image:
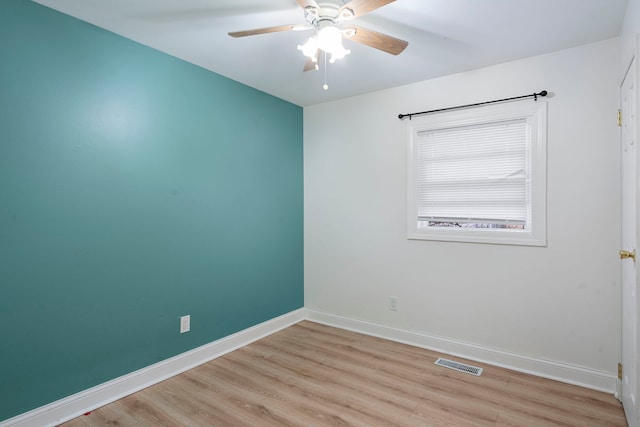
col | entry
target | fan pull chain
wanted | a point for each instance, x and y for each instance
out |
(325, 86)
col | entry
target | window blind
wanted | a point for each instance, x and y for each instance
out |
(474, 174)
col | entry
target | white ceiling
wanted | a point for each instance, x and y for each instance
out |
(445, 37)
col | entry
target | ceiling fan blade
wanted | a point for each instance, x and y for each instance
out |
(376, 40)
(360, 7)
(265, 30)
(309, 65)
(307, 3)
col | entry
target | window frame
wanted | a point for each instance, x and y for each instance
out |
(535, 115)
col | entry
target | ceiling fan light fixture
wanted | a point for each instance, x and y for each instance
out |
(330, 39)
(339, 54)
(327, 39)
(310, 48)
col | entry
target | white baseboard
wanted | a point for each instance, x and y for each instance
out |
(572, 374)
(95, 397)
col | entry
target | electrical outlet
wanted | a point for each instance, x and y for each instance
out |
(185, 324)
(393, 303)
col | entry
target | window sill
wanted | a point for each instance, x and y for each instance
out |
(502, 237)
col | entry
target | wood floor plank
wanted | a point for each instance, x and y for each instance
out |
(315, 375)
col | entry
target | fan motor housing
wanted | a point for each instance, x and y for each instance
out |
(327, 13)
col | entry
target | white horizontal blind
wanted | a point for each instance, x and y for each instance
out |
(473, 174)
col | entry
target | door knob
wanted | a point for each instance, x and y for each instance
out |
(626, 254)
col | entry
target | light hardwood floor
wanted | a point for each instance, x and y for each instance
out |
(315, 375)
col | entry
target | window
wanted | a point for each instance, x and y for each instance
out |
(479, 175)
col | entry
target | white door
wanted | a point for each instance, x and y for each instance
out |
(628, 264)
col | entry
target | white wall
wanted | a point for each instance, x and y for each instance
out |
(559, 303)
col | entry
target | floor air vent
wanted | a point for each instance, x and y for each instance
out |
(461, 367)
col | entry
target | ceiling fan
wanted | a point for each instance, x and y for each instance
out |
(330, 19)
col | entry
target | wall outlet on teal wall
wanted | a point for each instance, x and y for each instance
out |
(185, 324)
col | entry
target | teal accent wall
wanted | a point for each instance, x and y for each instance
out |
(134, 188)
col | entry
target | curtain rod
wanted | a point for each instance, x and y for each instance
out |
(533, 95)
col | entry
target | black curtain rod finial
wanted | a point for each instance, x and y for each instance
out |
(533, 95)
(536, 95)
